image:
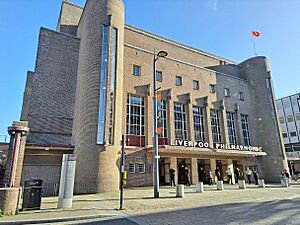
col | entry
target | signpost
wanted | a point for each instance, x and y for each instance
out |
(122, 173)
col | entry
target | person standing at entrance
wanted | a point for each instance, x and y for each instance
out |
(201, 175)
(172, 175)
(186, 176)
(238, 174)
(229, 174)
(209, 177)
(218, 173)
(249, 173)
(256, 176)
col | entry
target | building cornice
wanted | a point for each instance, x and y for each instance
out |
(189, 48)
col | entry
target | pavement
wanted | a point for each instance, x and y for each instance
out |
(271, 205)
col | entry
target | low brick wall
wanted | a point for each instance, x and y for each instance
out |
(9, 200)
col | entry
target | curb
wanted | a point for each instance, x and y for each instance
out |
(53, 220)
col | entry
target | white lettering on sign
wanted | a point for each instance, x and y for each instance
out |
(198, 144)
(237, 147)
(201, 144)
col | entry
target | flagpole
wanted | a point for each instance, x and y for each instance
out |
(254, 47)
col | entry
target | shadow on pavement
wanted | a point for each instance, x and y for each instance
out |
(271, 212)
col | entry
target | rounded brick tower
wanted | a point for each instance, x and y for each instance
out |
(258, 73)
(98, 102)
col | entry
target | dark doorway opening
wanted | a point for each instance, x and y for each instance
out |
(181, 164)
(203, 170)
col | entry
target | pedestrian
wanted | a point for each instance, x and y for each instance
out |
(201, 175)
(229, 175)
(249, 173)
(282, 176)
(238, 174)
(218, 173)
(209, 177)
(172, 175)
(256, 176)
(186, 176)
(287, 175)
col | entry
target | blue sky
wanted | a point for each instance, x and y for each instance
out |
(222, 27)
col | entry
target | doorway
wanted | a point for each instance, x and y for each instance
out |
(181, 164)
(222, 165)
(164, 171)
(203, 168)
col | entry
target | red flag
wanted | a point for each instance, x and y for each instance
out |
(255, 34)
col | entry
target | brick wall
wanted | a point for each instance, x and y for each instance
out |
(53, 90)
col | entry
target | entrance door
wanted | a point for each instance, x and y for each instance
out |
(203, 168)
(222, 165)
(181, 164)
(162, 171)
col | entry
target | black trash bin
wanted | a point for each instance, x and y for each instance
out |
(32, 194)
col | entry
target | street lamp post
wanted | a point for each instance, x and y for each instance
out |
(155, 137)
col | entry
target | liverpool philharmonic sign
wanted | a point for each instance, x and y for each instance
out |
(201, 144)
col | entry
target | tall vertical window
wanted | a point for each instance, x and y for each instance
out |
(164, 133)
(113, 58)
(245, 129)
(135, 116)
(198, 123)
(215, 126)
(103, 82)
(231, 128)
(180, 121)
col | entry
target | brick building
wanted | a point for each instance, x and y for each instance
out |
(92, 83)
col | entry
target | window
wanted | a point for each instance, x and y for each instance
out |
(163, 120)
(278, 104)
(284, 135)
(135, 115)
(212, 89)
(281, 119)
(103, 83)
(159, 76)
(241, 96)
(231, 128)
(113, 59)
(215, 126)
(297, 116)
(195, 85)
(286, 103)
(131, 168)
(180, 121)
(290, 118)
(178, 80)
(245, 129)
(141, 168)
(293, 133)
(267, 83)
(198, 123)
(136, 70)
(226, 92)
